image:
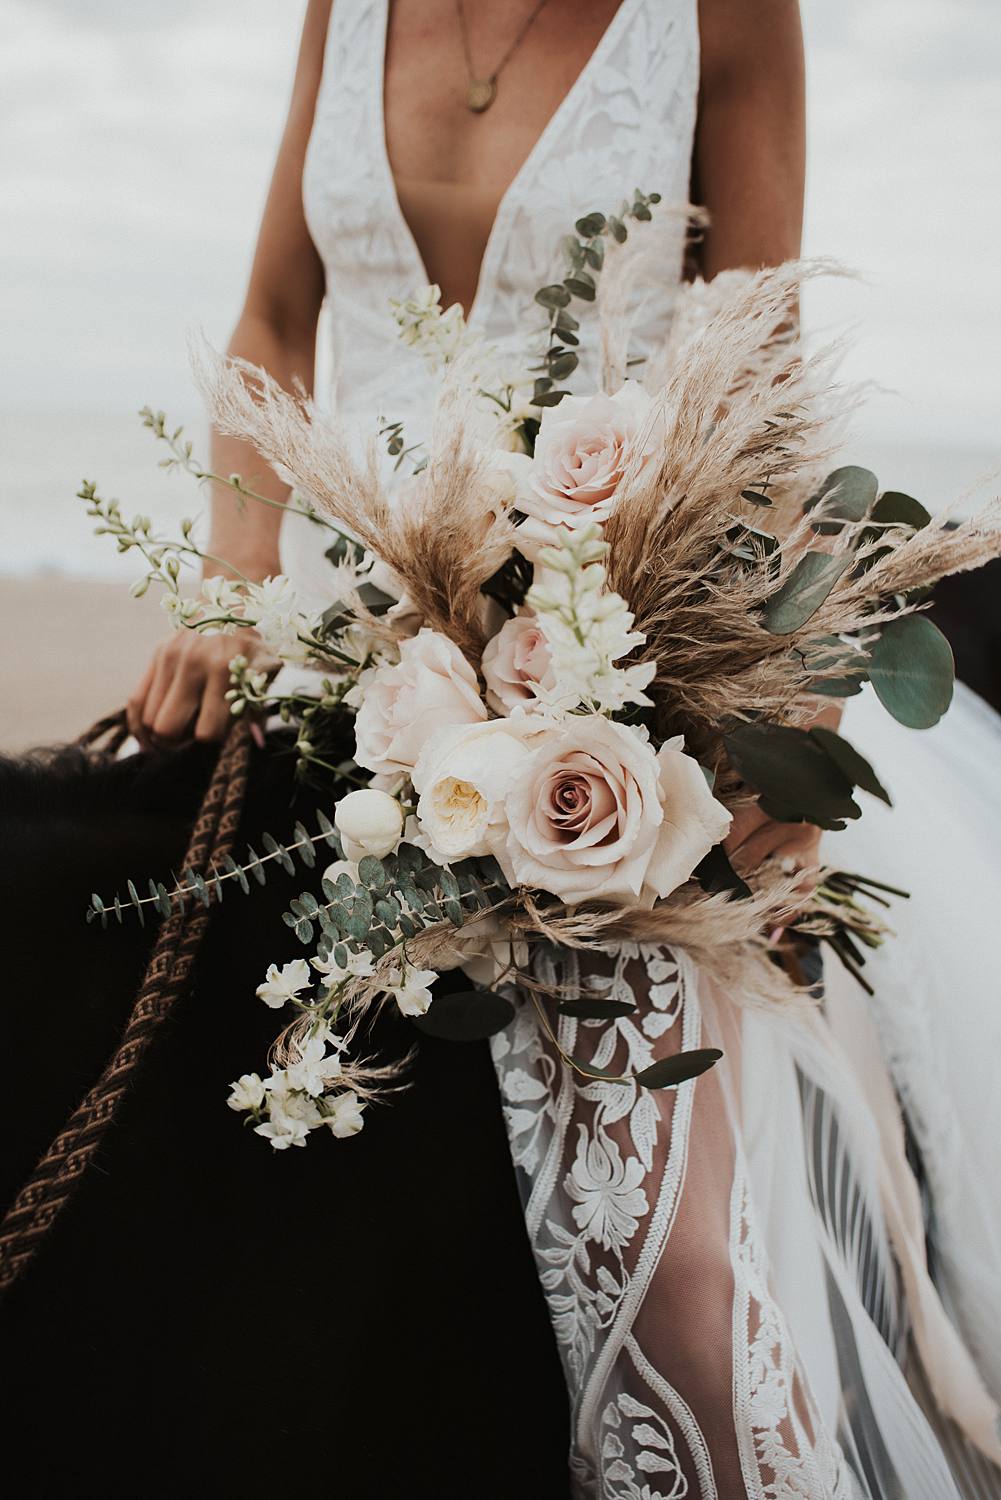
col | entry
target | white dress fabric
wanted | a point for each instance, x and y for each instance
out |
(730, 1291)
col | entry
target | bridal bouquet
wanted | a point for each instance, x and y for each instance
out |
(568, 635)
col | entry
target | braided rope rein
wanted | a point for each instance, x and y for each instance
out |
(58, 1173)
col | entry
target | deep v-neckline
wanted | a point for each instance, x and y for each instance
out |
(505, 205)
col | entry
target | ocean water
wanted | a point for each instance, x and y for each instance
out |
(44, 457)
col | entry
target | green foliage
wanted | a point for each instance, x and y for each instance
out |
(585, 256)
(846, 496)
(668, 1072)
(913, 671)
(466, 1015)
(803, 592)
(802, 775)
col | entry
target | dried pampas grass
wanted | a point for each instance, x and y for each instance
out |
(447, 539)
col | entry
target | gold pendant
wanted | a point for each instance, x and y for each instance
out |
(480, 94)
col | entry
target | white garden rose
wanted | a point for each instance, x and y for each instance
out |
(515, 658)
(431, 685)
(369, 822)
(584, 446)
(463, 779)
(596, 814)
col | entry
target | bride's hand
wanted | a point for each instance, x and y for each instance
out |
(182, 693)
(755, 837)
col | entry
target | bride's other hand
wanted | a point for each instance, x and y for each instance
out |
(755, 837)
(182, 693)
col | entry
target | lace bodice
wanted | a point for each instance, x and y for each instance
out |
(627, 121)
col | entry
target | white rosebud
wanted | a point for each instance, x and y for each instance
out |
(369, 822)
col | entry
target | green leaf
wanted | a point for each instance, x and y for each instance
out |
(803, 592)
(897, 509)
(596, 1010)
(594, 255)
(836, 687)
(592, 1072)
(618, 229)
(716, 873)
(670, 1071)
(328, 830)
(797, 781)
(563, 366)
(846, 495)
(372, 872)
(847, 759)
(388, 912)
(466, 1015)
(553, 296)
(912, 670)
(582, 286)
(590, 225)
(549, 398)
(755, 497)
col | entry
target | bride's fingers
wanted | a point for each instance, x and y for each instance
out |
(213, 715)
(137, 702)
(174, 717)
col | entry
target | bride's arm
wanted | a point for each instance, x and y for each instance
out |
(748, 172)
(749, 157)
(183, 688)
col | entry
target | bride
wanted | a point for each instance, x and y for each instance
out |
(734, 1271)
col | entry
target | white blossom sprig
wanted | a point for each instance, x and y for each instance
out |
(588, 628)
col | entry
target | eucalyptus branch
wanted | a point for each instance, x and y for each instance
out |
(585, 253)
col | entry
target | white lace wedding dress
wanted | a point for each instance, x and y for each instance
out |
(734, 1269)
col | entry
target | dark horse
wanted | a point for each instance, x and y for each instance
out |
(208, 1316)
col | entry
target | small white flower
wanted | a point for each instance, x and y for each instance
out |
(282, 985)
(412, 990)
(360, 965)
(344, 1115)
(223, 594)
(291, 1115)
(246, 1093)
(369, 822)
(179, 609)
(315, 1068)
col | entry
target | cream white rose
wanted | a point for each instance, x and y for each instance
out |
(582, 451)
(405, 703)
(515, 658)
(369, 822)
(463, 779)
(597, 815)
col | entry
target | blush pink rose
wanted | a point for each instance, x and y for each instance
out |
(431, 686)
(515, 657)
(582, 451)
(596, 814)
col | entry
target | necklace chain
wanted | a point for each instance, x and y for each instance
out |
(482, 90)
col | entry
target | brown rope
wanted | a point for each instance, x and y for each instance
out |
(58, 1173)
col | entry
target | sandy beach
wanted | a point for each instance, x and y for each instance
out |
(72, 650)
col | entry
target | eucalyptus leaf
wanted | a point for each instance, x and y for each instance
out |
(590, 225)
(553, 296)
(803, 592)
(582, 286)
(913, 671)
(668, 1072)
(466, 1015)
(846, 495)
(897, 509)
(372, 872)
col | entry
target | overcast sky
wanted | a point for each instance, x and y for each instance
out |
(137, 139)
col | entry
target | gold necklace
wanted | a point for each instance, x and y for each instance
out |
(481, 92)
